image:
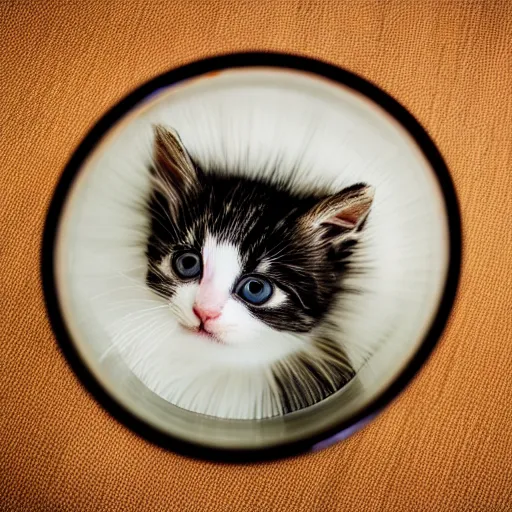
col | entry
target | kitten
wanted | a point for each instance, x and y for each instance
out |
(250, 271)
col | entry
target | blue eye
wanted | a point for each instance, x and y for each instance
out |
(187, 265)
(254, 290)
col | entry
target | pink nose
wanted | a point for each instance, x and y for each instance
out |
(205, 314)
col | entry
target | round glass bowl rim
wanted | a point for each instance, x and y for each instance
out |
(337, 76)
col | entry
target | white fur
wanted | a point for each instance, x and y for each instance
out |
(221, 270)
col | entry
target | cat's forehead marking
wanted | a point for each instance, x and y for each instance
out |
(222, 262)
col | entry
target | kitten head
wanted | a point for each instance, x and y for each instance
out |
(243, 262)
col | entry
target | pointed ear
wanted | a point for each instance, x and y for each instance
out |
(173, 167)
(344, 213)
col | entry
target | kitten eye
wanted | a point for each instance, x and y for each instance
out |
(254, 290)
(187, 265)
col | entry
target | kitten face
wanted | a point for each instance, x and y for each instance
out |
(242, 262)
(209, 304)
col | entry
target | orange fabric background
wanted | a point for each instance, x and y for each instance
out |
(446, 443)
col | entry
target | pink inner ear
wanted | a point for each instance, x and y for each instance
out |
(342, 222)
(347, 209)
(349, 217)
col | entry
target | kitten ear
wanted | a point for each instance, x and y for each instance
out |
(344, 212)
(173, 166)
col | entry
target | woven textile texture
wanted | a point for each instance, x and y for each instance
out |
(446, 443)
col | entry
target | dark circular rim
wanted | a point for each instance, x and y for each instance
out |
(194, 69)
